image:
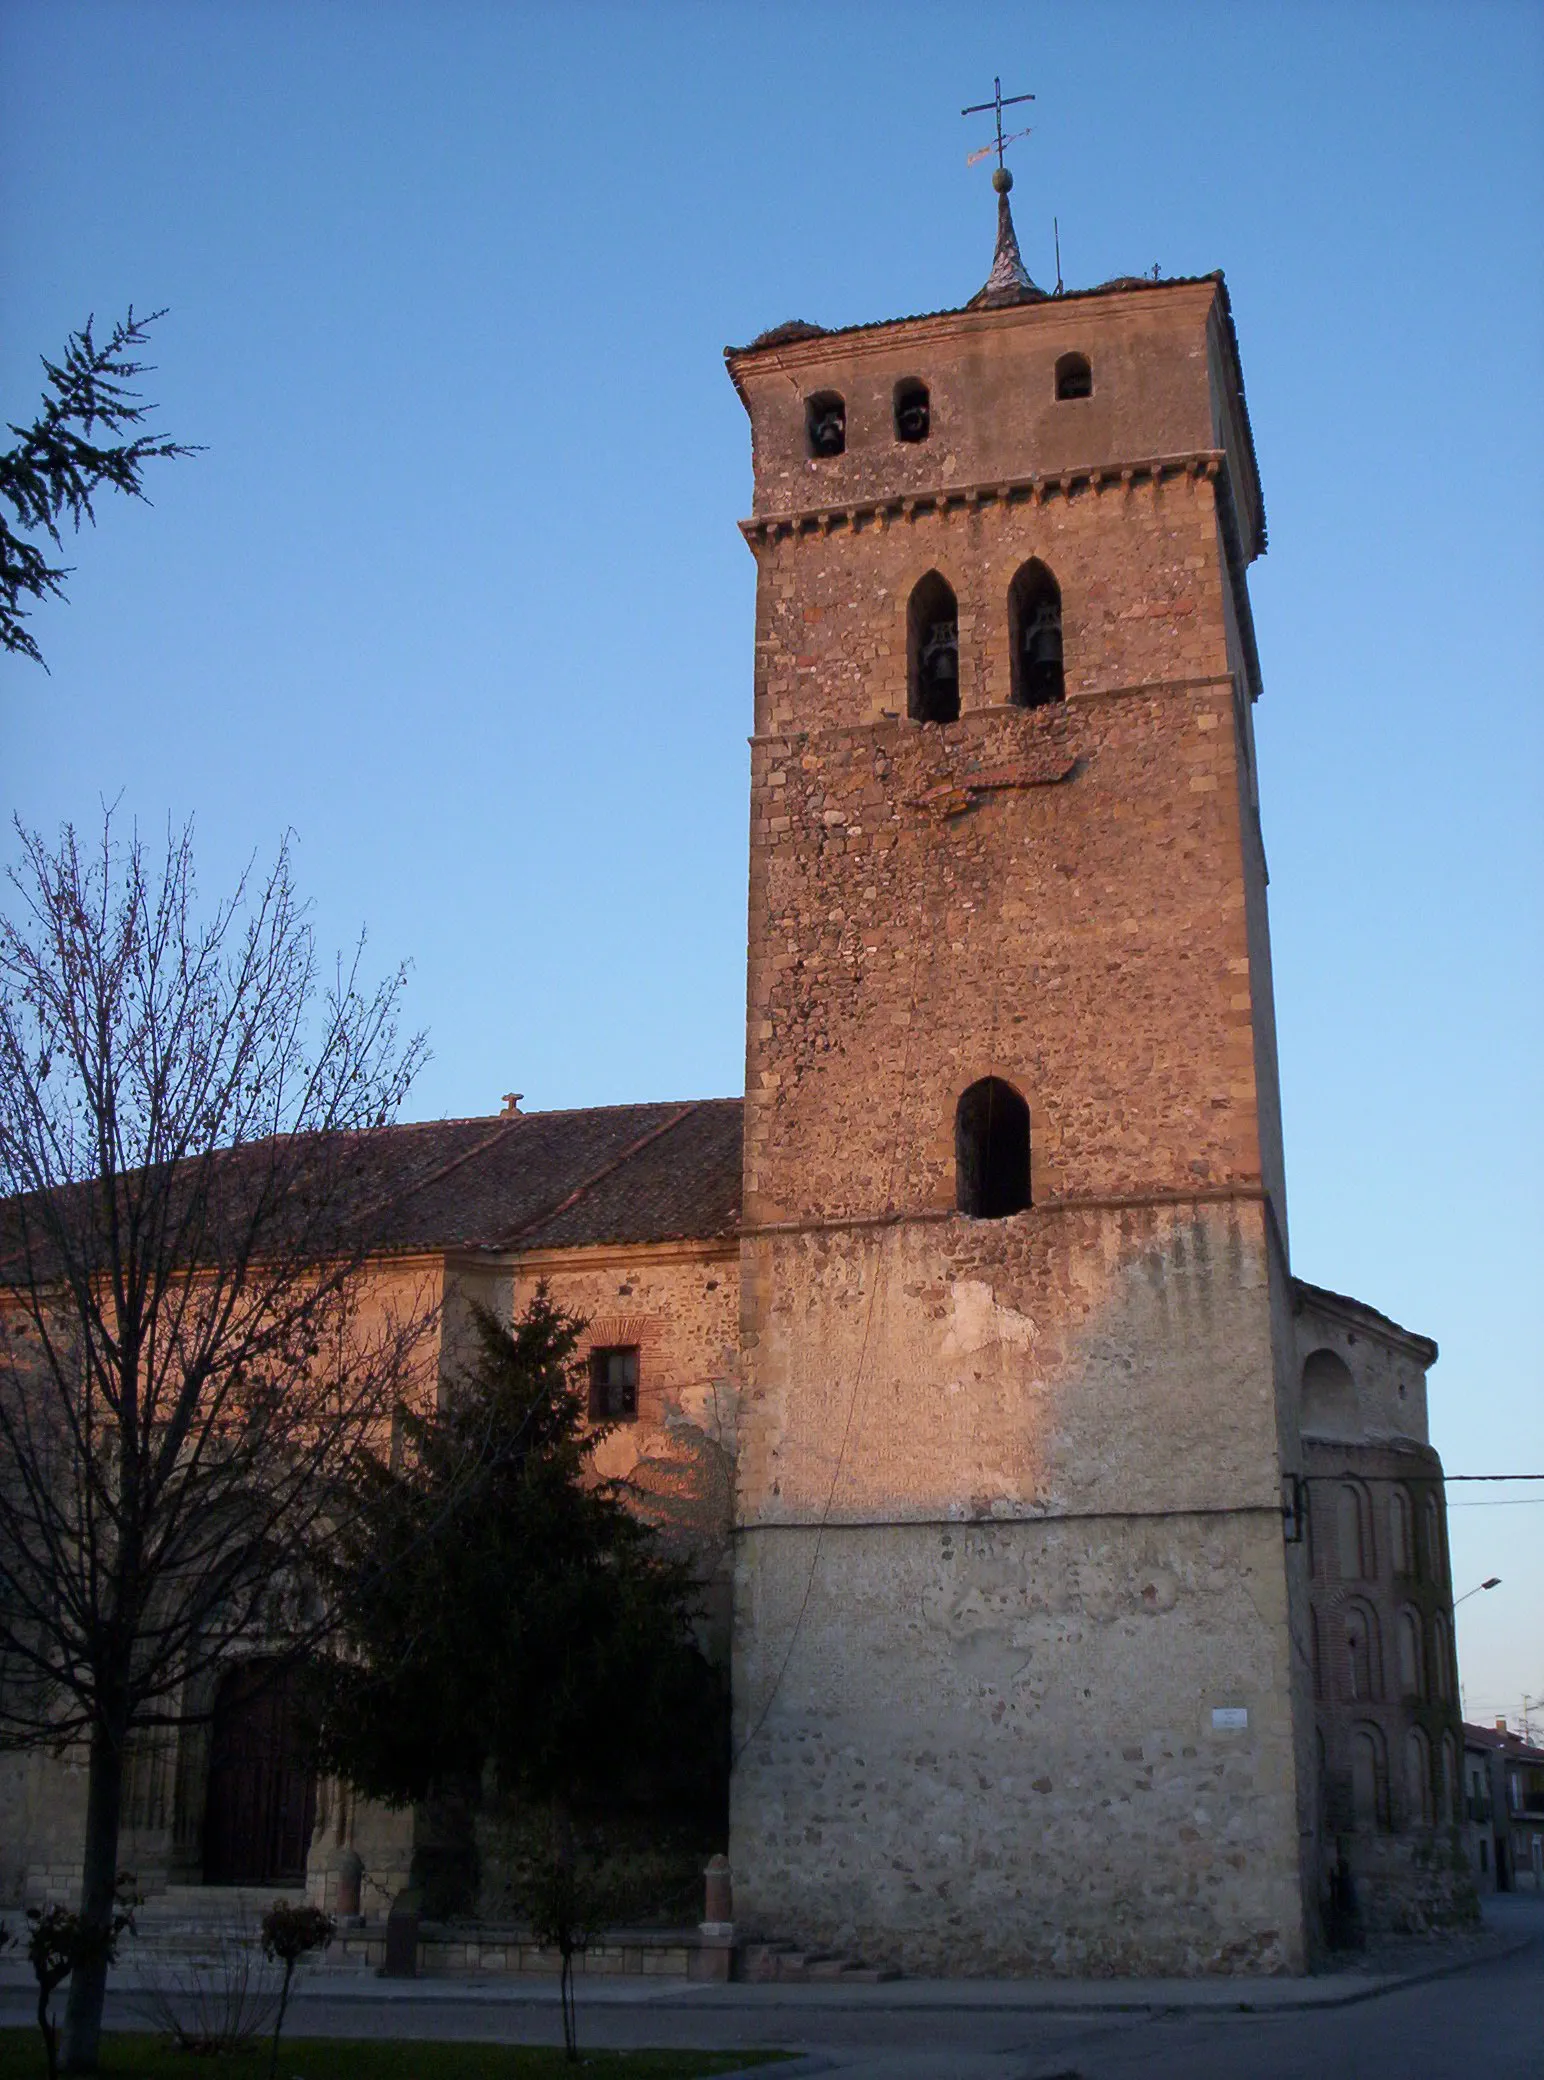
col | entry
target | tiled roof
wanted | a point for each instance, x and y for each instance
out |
(540, 1180)
(546, 1180)
(1511, 1745)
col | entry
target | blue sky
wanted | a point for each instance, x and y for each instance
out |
(456, 592)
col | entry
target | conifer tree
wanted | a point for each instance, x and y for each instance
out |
(59, 463)
(505, 1617)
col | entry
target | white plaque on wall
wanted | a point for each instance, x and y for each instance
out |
(1229, 1718)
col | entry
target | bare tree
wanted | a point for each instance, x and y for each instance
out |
(192, 1355)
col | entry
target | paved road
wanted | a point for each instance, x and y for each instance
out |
(1486, 2021)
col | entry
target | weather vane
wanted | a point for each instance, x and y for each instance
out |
(995, 107)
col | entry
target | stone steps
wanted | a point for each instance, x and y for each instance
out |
(189, 1920)
(784, 1964)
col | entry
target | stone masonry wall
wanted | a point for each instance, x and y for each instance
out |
(993, 1751)
(991, 378)
(1009, 1491)
(678, 1303)
(1042, 1451)
(1085, 938)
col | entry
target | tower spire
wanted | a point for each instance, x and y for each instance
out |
(1009, 280)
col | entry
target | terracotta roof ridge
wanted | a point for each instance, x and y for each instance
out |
(428, 1126)
(606, 1170)
(621, 1105)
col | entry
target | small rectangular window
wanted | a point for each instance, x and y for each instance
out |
(614, 1385)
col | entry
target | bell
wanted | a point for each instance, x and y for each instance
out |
(1043, 640)
(911, 421)
(828, 435)
(941, 657)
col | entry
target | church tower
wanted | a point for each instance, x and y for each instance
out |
(1016, 1590)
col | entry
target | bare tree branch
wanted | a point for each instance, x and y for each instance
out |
(194, 1355)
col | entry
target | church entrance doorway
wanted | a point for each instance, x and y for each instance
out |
(262, 1796)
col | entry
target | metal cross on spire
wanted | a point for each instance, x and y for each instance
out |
(1009, 280)
(996, 106)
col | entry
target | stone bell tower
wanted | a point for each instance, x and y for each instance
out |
(1015, 1682)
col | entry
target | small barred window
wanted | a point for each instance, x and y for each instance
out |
(614, 1385)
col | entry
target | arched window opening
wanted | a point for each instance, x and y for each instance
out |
(1401, 1533)
(1441, 1659)
(1035, 636)
(1364, 1656)
(913, 411)
(1329, 1396)
(1409, 1634)
(1352, 1531)
(825, 423)
(1450, 1807)
(991, 1151)
(933, 651)
(1074, 377)
(1369, 1780)
(1417, 1778)
(1433, 1515)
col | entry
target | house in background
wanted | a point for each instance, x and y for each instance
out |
(1504, 1809)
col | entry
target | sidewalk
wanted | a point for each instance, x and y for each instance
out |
(1366, 1976)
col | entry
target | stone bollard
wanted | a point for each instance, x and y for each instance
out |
(718, 1902)
(402, 1936)
(347, 1874)
(715, 1946)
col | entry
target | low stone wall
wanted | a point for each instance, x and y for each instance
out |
(451, 1952)
(1412, 1884)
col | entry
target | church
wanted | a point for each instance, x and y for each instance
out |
(1081, 1572)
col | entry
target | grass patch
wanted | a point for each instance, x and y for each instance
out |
(356, 2058)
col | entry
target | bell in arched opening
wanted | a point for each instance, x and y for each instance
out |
(825, 424)
(913, 415)
(1035, 619)
(933, 651)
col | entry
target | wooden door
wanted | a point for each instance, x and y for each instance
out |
(262, 1796)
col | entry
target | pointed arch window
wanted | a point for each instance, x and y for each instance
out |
(991, 1151)
(933, 651)
(1035, 637)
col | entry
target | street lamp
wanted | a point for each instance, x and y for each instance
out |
(1493, 1583)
